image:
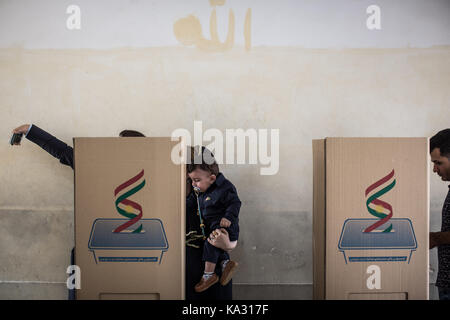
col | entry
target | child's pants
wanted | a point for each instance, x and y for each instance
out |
(213, 254)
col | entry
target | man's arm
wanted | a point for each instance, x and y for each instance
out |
(49, 143)
(439, 239)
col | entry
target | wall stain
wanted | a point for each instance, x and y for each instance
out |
(188, 31)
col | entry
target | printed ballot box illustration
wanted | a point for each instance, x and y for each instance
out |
(129, 218)
(358, 245)
(370, 221)
(148, 245)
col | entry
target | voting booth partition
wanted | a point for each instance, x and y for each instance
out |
(370, 218)
(129, 218)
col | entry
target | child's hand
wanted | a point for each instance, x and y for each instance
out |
(224, 222)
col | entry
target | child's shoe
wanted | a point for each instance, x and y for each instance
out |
(206, 282)
(228, 271)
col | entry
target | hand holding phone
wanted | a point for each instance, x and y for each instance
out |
(15, 138)
(18, 133)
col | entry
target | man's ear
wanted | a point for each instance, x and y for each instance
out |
(213, 177)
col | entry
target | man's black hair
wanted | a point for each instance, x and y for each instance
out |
(441, 140)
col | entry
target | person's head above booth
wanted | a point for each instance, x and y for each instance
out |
(440, 153)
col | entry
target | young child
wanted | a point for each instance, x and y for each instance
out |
(219, 206)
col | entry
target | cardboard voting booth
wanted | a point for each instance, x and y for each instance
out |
(371, 218)
(129, 218)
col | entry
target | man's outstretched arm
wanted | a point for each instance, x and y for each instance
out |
(49, 143)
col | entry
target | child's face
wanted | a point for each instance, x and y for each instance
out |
(202, 179)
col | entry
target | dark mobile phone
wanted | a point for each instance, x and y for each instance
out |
(15, 139)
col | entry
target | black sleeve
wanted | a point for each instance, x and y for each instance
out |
(192, 222)
(191, 202)
(52, 145)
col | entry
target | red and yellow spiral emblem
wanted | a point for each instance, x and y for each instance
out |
(379, 208)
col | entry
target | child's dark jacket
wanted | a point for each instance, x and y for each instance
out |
(219, 201)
